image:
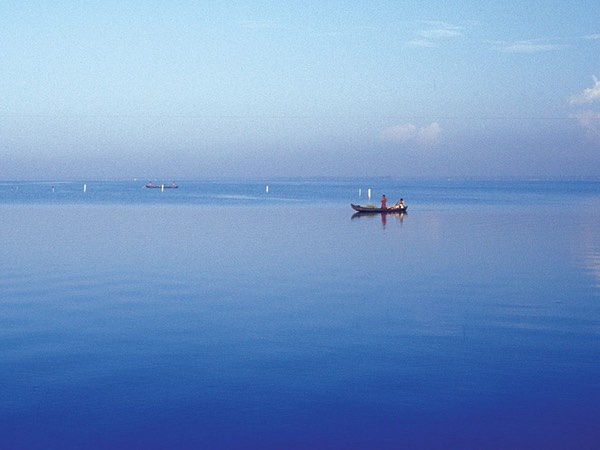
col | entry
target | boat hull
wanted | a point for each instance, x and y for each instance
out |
(367, 209)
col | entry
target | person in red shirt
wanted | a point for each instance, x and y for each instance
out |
(383, 202)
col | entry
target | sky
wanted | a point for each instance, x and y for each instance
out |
(164, 90)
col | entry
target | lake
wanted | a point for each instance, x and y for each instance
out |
(224, 314)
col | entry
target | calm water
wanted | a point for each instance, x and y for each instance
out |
(219, 315)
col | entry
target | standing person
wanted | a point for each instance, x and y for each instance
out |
(383, 202)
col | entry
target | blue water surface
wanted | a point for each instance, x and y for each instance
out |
(220, 315)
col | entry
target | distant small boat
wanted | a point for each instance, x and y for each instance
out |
(161, 186)
(374, 209)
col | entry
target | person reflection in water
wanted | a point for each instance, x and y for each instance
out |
(383, 202)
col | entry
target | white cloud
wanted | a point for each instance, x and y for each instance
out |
(435, 32)
(590, 122)
(400, 133)
(532, 46)
(592, 37)
(441, 33)
(431, 133)
(588, 119)
(588, 95)
(411, 134)
(421, 43)
(439, 29)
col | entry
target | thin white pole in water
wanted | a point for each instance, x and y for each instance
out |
(162, 188)
(359, 193)
(267, 189)
(85, 188)
(369, 193)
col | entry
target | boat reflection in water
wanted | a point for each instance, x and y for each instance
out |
(396, 216)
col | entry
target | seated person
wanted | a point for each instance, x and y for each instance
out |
(399, 204)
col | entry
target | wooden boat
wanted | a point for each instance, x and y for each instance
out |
(161, 186)
(374, 209)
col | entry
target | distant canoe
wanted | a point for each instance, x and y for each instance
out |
(374, 209)
(161, 186)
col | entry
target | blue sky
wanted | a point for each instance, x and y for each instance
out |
(196, 89)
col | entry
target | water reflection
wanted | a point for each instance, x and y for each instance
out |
(226, 339)
(595, 263)
(394, 217)
(591, 255)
